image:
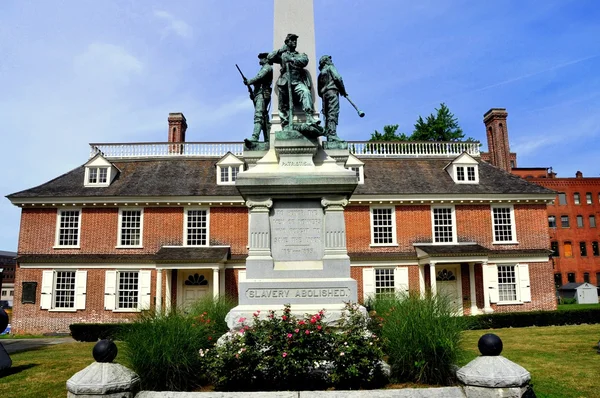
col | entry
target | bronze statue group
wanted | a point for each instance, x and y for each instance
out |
(294, 90)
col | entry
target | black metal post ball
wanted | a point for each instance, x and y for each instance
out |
(490, 345)
(3, 320)
(105, 351)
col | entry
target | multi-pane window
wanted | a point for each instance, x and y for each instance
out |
(443, 225)
(234, 172)
(503, 228)
(568, 249)
(595, 250)
(558, 279)
(64, 289)
(576, 198)
(564, 221)
(470, 173)
(562, 198)
(68, 228)
(224, 174)
(384, 281)
(551, 221)
(228, 174)
(507, 283)
(588, 198)
(597, 278)
(554, 248)
(592, 219)
(97, 175)
(582, 249)
(131, 228)
(197, 227)
(460, 173)
(128, 289)
(382, 225)
(571, 277)
(586, 277)
(579, 221)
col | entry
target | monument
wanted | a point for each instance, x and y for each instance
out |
(296, 190)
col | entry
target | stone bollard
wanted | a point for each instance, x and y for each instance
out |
(492, 375)
(104, 378)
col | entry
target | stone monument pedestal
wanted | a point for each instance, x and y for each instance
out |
(297, 234)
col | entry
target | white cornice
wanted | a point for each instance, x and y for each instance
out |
(169, 201)
(457, 199)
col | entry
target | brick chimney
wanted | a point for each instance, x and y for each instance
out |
(579, 174)
(497, 137)
(177, 127)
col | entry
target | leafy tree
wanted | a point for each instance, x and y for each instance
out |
(442, 126)
(389, 134)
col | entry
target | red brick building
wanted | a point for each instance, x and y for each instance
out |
(574, 236)
(161, 224)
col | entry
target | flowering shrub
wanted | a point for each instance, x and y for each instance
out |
(283, 352)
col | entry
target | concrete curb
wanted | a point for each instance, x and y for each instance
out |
(439, 392)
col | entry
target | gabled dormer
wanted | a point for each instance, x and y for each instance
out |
(99, 172)
(354, 164)
(464, 169)
(228, 168)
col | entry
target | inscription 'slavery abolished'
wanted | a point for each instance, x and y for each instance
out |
(308, 293)
(297, 231)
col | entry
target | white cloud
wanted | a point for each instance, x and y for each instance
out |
(106, 61)
(177, 26)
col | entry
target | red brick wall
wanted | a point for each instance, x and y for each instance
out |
(229, 226)
(542, 291)
(356, 273)
(29, 318)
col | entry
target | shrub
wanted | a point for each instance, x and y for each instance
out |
(94, 331)
(421, 337)
(163, 348)
(216, 309)
(287, 353)
(573, 316)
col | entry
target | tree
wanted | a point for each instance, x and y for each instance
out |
(389, 134)
(442, 126)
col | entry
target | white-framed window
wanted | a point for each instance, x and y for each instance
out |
(63, 290)
(99, 172)
(509, 283)
(464, 170)
(357, 166)
(588, 198)
(384, 281)
(443, 221)
(127, 290)
(503, 224)
(196, 226)
(576, 198)
(131, 223)
(68, 228)
(228, 169)
(383, 226)
(97, 175)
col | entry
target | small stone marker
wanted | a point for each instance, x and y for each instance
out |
(492, 375)
(104, 378)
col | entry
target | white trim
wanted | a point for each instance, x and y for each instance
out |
(80, 289)
(411, 199)
(453, 218)
(111, 201)
(186, 209)
(57, 229)
(110, 290)
(368, 275)
(86, 180)
(384, 264)
(513, 225)
(120, 228)
(394, 241)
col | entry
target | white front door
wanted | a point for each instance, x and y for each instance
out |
(448, 284)
(194, 285)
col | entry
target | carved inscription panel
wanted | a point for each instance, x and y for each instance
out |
(297, 231)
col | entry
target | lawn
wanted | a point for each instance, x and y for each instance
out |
(562, 360)
(568, 307)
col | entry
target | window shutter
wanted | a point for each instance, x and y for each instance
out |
(368, 283)
(110, 290)
(80, 289)
(524, 285)
(401, 280)
(492, 279)
(145, 282)
(47, 288)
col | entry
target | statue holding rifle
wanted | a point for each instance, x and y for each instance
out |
(261, 97)
(294, 83)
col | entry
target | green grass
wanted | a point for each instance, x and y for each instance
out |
(562, 360)
(568, 307)
(28, 336)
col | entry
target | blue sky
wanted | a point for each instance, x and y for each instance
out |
(79, 71)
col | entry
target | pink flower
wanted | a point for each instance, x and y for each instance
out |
(319, 327)
(284, 354)
(284, 317)
(307, 332)
(241, 320)
(297, 330)
(313, 320)
(301, 323)
(289, 335)
(246, 327)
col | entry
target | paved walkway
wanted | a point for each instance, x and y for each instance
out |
(18, 345)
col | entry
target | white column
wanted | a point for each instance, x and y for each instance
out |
(222, 281)
(168, 290)
(215, 282)
(422, 280)
(486, 288)
(432, 275)
(474, 310)
(159, 290)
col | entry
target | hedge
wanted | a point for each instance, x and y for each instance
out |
(536, 318)
(94, 331)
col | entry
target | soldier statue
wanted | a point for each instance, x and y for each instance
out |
(261, 96)
(294, 80)
(330, 87)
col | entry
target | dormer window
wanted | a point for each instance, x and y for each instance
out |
(464, 170)
(99, 172)
(228, 169)
(357, 167)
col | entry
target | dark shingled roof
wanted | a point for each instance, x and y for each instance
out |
(197, 177)
(453, 250)
(195, 254)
